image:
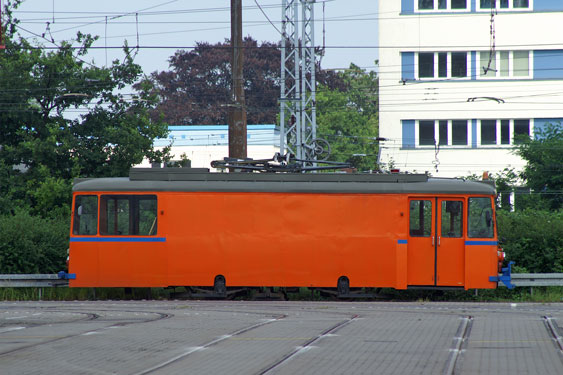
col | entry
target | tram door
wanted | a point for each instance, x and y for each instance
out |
(435, 242)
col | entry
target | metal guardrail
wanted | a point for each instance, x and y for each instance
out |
(536, 279)
(35, 280)
(61, 280)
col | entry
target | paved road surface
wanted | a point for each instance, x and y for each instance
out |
(235, 337)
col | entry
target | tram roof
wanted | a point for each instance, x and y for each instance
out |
(200, 180)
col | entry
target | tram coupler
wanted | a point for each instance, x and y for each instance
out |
(505, 276)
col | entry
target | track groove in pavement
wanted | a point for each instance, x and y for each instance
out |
(280, 338)
(207, 345)
(90, 317)
(308, 344)
(460, 338)
(553, 331)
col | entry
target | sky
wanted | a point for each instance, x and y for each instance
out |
(179, 24)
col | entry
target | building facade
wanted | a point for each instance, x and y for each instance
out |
(462, 80)
(204, 143)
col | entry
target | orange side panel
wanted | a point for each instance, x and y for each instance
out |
(257, 239)
(84, 262)
(401, 266)
(480, 263)
(118, 264)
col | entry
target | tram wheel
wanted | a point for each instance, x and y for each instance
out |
(220, 285)
(343, 286)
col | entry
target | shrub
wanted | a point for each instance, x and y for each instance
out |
(533, 239)
(30, 244)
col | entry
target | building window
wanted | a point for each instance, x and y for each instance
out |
(425, 4)
(459, 133)
(459, 4)
(459, 64)
(499, 132)
(488, 132)
(426, 133)
(505, 64)
(485, 5)
(443, 65)
(426, 65)
(441, 5)
(521, 128)
(505, 132)
(488, 64)
(443, 132)
(504, 57)
(521, 63)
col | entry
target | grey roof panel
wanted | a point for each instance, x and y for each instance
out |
(289, 183)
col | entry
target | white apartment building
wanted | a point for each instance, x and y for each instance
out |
(204, 143)
(460, 79)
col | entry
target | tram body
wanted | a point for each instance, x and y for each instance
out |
(182, 227)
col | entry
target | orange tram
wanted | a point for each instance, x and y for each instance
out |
(189, 227)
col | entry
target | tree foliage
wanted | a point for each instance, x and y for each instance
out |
(544, 169)
(43, 143)
(197, 88)
(348, 118)
(30, 244)
(533, 238)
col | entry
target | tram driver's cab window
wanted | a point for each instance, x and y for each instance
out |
(480, 218)
(85, 220)
(128, 215)
(420, 218)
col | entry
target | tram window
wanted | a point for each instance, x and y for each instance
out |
(85, 215)
(480, 218)
(420, 220)
(125, 215)
(452, 219)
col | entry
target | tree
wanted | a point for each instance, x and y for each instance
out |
(42, 145)
(533, 238)
(197, 89)
(544, 169)
(30, 244)
(348, 118)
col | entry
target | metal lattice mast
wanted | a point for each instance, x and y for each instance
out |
(308, 84)
(297, 102)
(290, 118)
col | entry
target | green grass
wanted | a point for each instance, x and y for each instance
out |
(522, 294)
(81, 294)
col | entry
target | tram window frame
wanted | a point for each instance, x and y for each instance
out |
(82, 220)
(421, 219)
(477, 216)
(128, 215)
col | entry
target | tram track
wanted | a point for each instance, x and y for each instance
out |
(459, 341)
(292, 334)
(90, 317)
(553, 331)
(207, 345)
(307, 345)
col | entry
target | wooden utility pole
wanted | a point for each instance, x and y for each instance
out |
(237, 110)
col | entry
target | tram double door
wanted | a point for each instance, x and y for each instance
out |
(436, 246)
